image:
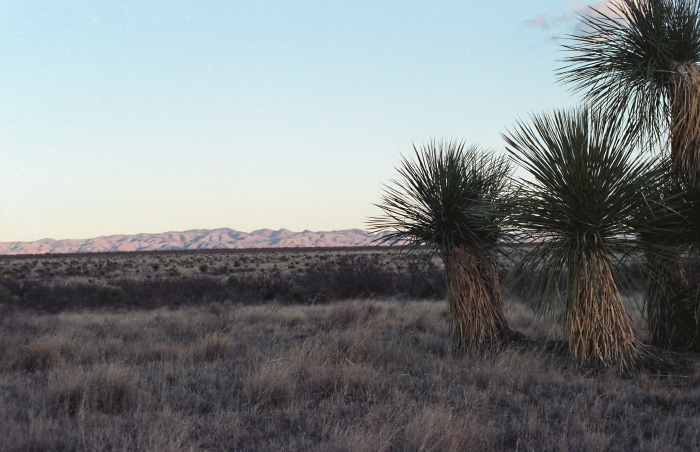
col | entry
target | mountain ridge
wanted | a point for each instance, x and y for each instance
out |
(194, 239)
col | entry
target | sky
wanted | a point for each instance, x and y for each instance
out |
(125, 117)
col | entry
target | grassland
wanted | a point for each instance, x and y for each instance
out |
(283, 374)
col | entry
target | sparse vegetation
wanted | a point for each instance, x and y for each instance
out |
(338, 277)
(353, 375)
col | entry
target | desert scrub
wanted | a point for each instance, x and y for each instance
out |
(351, 275)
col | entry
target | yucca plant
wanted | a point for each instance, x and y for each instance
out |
(672, 308)
(451, 197)
(578, 206)
(641, 60)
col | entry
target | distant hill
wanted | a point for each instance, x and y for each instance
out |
(196, 239)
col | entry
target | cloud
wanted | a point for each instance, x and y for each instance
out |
(597, 8)
(539, 21)
(568, 16)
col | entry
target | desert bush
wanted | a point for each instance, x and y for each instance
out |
(296, 294)
(6, 296)
(110, 294)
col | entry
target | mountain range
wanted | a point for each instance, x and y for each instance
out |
(196, 239)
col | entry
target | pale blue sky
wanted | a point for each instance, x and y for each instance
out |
(153, 116)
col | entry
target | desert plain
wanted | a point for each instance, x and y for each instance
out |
(298, 349)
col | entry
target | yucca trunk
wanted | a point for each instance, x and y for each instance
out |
(600, 334)
(671, 317)
(665, 311)
(685, 327)
(474, 300)
(684, 94)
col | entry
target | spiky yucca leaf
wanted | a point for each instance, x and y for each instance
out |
(586, 189)
(449, 195)
(581, 204)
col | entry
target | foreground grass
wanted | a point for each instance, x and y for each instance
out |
(354, 375)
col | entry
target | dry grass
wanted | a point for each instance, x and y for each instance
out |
(356, 375)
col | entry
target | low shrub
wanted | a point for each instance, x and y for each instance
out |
(110, 294)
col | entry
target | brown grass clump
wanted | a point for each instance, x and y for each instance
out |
(34, 357)
(437, 427)
(359, 375)
(211, 348)
(106, 390)
(270, 386)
